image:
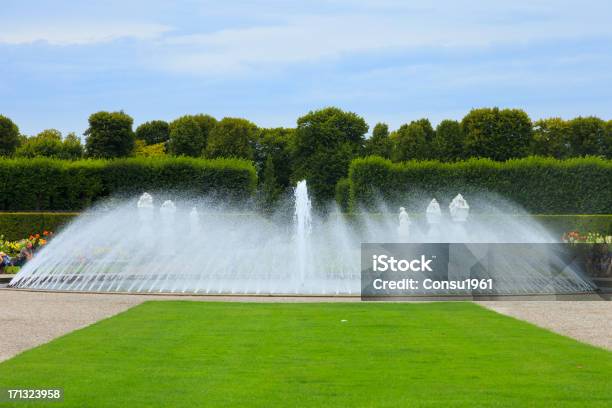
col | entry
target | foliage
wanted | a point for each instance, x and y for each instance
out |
(448, 143)
(9, 136)
(551, 137)
(109, 135)
(539, 185)
(587, 238)
(186, 137)
(275, 143)
(34, 241)
(497, 134)
(269, 189)
(410, 142)
(232, 137)
(343, 194)
(16, 225)
(325, 142)
(589, 136)
(47, 184)
(379, 144)
(153, 132)
(49, 143)
(153, 150)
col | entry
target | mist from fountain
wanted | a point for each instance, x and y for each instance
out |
(194, 247)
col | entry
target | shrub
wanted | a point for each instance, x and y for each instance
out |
(56, 185)
(9, 136)
(539, 185)
(153, 150)
(109, 135)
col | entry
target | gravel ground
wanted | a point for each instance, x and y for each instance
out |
(587, 321)
(28, 319)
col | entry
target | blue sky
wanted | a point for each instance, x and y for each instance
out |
(272, 61)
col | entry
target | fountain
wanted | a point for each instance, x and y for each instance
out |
(138, 248)
(303, 228)
(194, 221)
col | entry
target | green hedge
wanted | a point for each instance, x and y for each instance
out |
(57, 185)
(19, 225)
(539, 185)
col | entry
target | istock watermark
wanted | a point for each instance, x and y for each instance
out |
(501, 271)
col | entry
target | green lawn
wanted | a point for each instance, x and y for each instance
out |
(193, 354)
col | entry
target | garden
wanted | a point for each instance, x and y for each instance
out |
(208, 207)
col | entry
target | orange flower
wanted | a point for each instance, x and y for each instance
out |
(42, 242)
(45, 232)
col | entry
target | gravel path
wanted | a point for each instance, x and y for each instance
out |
(587, 321)
(28, 319)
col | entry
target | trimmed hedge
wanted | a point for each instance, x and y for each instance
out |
(539, 185)
(19, 225)
(58, 185)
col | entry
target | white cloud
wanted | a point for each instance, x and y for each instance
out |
(311, 38)
(74, 33)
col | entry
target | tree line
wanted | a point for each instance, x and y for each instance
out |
(322, 144)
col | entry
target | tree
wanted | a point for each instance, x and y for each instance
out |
(48, 143)
(379, 144)
(551, 138)
(448, 143)
(153, 132)
(325, 142)
(427, 128)
(410, 142)
(9, 136)
(497, 134)
(109, 135)
(72, 148)
(588, 136)
(186, 137)
(269, 189)
(275, 143)
(207, 124)
(232, 137)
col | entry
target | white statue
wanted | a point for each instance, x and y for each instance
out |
(145, 207)
(403, 229)
(433, 212)
(459, 209)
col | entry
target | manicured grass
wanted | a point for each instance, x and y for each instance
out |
(188, 354)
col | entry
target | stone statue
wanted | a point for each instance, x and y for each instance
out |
(459, 209)
(403, 229)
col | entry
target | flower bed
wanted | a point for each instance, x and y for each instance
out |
(14, 254)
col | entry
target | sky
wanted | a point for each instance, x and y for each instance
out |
(273, 61)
